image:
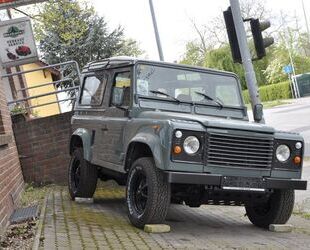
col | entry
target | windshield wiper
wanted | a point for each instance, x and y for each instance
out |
(210, 99)
(165, 94)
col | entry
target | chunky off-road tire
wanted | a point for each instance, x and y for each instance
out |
(147, 193)
(276, 211)
(82, 176)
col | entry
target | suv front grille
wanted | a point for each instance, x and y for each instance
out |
(239, 150)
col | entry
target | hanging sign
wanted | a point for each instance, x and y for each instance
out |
(17, 42)
(6, 4)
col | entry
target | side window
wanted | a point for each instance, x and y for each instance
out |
(121, 89)
(93, 89)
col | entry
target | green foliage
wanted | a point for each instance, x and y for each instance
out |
(130, 47)
(268, 70)
(34, 194)
(221, 59)
(274, 70)
(18, 109)
(246, 96)
(193, 55)
(71, 30)
(271, 92)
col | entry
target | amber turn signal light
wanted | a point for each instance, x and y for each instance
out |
(297, 160)
(177, 149)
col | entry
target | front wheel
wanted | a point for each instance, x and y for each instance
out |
(277, 210)
(82, 176)
(147, 193)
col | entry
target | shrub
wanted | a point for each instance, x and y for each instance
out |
(277, 91)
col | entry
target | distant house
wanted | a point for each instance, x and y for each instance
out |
(21, 86)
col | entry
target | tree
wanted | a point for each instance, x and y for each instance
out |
(211, 48)
(71, 30)
(214, 35)
(193, 54)
(130, 47)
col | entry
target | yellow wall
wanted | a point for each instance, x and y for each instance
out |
(38, 78)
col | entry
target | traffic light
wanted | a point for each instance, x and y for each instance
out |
(257, 28)
(232, 36)
(260, 43)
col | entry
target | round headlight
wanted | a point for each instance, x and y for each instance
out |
(191, 145)
(283, 152)
(178, 134)
(298, 145)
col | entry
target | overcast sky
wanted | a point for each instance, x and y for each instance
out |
(173, 18)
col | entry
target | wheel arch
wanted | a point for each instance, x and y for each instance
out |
(143, 148)
(81, 138)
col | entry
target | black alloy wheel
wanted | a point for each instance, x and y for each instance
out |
(147, 193)
(82, 176)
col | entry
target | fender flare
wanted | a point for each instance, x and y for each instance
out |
(154, 144)
(86, 137)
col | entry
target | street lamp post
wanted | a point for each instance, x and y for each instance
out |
(160, 51)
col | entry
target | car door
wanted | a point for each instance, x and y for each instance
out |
(91, 108)
(116, 118)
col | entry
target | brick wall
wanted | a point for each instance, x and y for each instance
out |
(43, 148)
(1, 124)
(11, 179)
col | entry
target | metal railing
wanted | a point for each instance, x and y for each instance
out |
(42, 95)
(58, 83)
(45, 67)
(49, 83)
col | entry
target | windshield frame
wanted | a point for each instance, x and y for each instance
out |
(192, 69)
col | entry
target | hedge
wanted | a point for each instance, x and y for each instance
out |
(271, 92)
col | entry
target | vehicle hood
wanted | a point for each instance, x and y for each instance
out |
(208, 121)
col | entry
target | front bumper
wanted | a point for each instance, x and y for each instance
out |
(228, 182)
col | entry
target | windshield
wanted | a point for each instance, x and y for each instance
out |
(187, 85)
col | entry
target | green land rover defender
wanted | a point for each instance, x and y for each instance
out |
(179, 134)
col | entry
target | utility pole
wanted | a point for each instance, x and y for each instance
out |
(246, 60)
(306, 20)
(295, 93)
(293, 77)
(160, 51)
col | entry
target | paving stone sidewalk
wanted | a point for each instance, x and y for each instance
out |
(104, 225)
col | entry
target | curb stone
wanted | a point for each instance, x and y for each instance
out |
(286, 228)
(157, 228)
(36, 242)
(84, 200)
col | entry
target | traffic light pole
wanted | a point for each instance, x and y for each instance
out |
(246, 59)
(160, 50)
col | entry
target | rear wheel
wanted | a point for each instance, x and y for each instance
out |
(147, 193)
(277, 210)
(82, 176)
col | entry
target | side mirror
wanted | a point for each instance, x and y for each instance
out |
(117, 96)
(258, 112)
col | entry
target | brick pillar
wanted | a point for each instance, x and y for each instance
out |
(11, 178)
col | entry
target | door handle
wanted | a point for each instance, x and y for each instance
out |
(104, 128)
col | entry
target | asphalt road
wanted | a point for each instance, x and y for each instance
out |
(294, 117)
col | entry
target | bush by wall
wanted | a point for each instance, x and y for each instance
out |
(271, 92)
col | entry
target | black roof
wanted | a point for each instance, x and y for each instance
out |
(126, 60)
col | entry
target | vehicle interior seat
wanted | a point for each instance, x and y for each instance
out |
(126, 98)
